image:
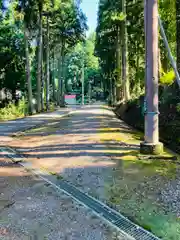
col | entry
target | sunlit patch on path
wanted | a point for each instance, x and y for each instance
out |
(99, 154)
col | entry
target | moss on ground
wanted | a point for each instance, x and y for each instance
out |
(48, 128)
(136, 181)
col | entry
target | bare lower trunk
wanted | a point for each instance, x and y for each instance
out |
(28, 73)
(104, 85)
(178, 33)
(138, 86)
(89, 90)
(53, 75)
(118, 66)
(42, 86)
(59, 76)
(111, 90)
(39, 68)
(82, 82)
(62, 73)
(47, 67)
(114, 91)
(159, 64)
(125, 73)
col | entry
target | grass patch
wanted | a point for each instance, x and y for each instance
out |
(137, 180)
(58, 176)
(150, 217)
(49, 127)
(52, 107)
(53, 173)
(34, 130)
(143, 211)
(12, 111)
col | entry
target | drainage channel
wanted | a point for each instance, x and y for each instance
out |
(113, 217)
(109, 214)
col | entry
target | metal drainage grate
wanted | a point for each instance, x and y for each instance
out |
(109, 214)
(10, 153)
(101, 209)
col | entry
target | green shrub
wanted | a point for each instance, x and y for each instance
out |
(52, 106)
(178, 107)
(169, 119)
(12, 111)
(167, 78)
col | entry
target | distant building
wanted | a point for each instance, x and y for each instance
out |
(70, 99)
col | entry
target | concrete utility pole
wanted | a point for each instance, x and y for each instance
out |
(151, 144)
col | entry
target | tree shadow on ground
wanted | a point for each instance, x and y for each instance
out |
(88, 125)
(10, 127)
(103, 167)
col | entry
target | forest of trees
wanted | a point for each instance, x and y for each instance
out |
(44, 51)
(120, 46)
(38, 40)
(82, 58)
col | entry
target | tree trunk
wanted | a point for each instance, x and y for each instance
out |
(89, 90)
(82, 82)
(39, 63)
(47, 67)
(137, 69)
(62, 104)
(178, 33)
(103, 77)
(28, 73)
(59, 75)
(159, 64)
(53, 76)
(118, 65)
(42, 85)
(114, 90)
(125, 77)
(111, 90)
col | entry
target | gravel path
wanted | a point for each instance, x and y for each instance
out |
(8, 128)
(30, 209)
(98, 154)
(73, 149)
(170, 196)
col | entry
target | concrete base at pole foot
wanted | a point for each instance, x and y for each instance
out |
(152, 149)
